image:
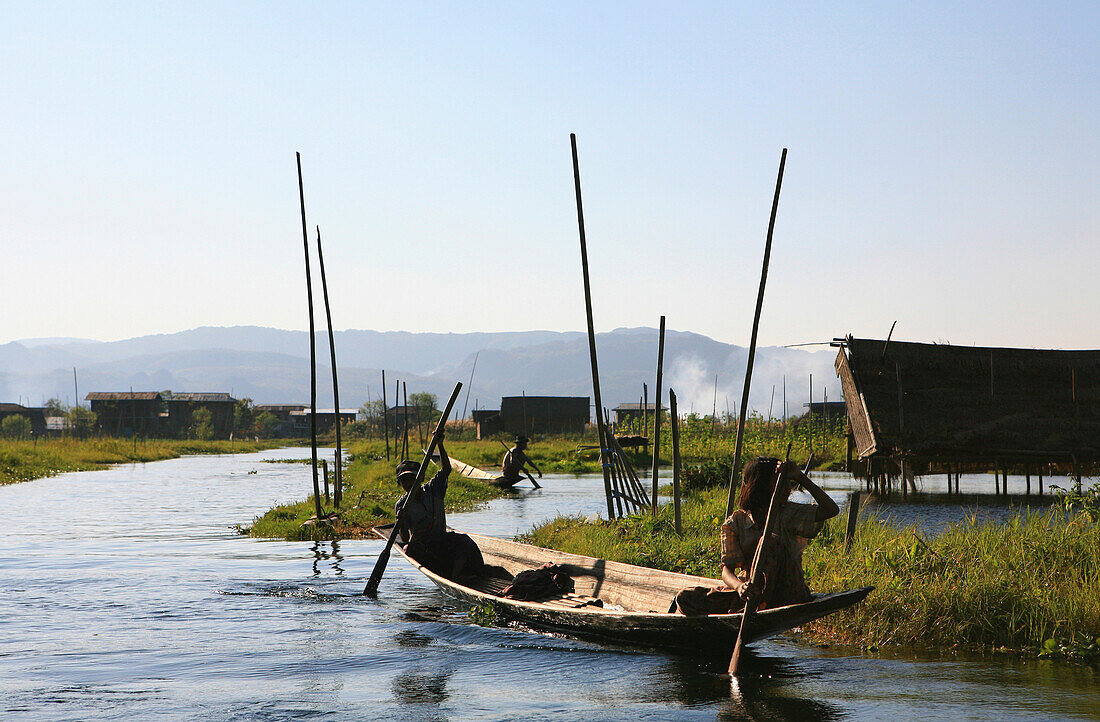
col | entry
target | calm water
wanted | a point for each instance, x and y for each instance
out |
(127, 594)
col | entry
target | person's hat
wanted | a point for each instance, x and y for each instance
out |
(407, 465)
(521, 439)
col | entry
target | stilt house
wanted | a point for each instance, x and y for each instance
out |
(918, 408)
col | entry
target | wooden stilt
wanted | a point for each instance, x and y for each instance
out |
(853, 516)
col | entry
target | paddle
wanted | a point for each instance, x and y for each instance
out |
(528, 473)
(754, 576)
(371, 589)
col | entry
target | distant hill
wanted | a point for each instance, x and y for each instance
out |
(272, 366)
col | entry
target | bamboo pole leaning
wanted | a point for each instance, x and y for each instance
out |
(601, 429)
(312, 348)
(752, 342)
(337, 473)
(657, 413)
(385, 416)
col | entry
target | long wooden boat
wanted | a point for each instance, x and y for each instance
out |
(472, 472)
(619, 602)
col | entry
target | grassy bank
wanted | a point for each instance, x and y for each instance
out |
(1030, 585)
(369, 495)
(27, 460)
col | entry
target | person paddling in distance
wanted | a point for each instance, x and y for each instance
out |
(793, 526)
(424, 523)
(511, 468)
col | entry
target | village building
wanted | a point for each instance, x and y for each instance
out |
(828, 410)
(917, 408)
(287, 426)
(125, 413)
(530, 415)
(326, 420)
(160, 414)
(34, 414)
(629, 412)
(182, 408)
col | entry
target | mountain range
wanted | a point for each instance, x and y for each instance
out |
(271, 365)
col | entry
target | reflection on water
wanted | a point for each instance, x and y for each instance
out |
(327, 551)
(127, 595)
(419, 687)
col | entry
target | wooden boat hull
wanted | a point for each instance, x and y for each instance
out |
(636, 600)
(472, 472)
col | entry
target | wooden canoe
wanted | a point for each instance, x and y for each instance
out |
(635, 600)
(472, 472)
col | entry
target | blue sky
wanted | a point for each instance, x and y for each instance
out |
(942, 169)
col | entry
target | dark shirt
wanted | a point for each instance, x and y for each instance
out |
(424, 518)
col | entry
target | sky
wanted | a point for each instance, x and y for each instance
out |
(942, 171)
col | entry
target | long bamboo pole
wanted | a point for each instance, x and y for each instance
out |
(312, 346)
(657, 413)
(405, 416)
(385, 416)
(601, 429)
(337, 473)
(470, 385)
(752, 341)
(674, 420)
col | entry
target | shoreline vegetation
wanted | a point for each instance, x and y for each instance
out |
(1029, 585)
(370, 490)
(27, 460)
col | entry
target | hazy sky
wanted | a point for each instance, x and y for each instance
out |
(943, 167)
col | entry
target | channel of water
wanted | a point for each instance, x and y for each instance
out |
(127, 593)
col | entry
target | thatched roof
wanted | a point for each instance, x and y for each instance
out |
(965, 403)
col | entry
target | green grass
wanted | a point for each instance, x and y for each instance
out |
(369, 495)
(27, 460)
(1030, 585)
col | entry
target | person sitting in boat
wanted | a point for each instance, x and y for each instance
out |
(511, 468)
(424, 523)
(781, 559)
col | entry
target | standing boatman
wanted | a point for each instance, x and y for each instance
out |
(511, 468)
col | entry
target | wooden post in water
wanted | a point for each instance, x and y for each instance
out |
(337, 475)
(1040, 481)
(853, 516)
(324, 475)
(385, 416)
(674, 420)
(645, 407)
(1027, 481)
(657, 412)
(752, 341)
(601, 429)
(312, 347)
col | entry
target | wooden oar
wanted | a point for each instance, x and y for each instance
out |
(383, 559)
(754, 575)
